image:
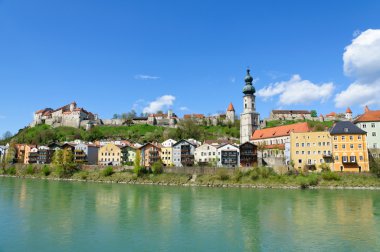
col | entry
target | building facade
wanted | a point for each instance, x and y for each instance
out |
(167, 152)
(150, 153)
(370, 123)
(349, 147)
(128, 154)
(228, 155)
(86, 154)
(248, 154)
(311, 149)
(206, 154)
(249, 119)
(183, 153)
(109, 154)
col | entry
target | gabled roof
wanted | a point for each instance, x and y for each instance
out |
(348, 110)
(280, 131)
(346, 127)
(331, 114)
(369, 116)
(183, 140)
(152, 144)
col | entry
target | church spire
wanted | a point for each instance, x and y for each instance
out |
(248, 89)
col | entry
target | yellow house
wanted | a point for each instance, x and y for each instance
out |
(167, 152)
(109, 154)
(349, 147)
(311, 149)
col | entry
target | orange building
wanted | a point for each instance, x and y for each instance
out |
(349, 147)
(150, 153)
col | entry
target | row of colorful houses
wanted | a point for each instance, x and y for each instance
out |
(172, 153)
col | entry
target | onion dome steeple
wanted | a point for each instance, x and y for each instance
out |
(248, 89)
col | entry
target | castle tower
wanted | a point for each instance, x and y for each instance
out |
(249, 119)
(348, 114)
(230, 113)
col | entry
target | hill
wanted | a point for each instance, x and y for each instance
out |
(44, 134)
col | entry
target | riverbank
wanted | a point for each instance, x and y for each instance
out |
(256, 178)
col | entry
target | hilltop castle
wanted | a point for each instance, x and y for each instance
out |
(69, 115)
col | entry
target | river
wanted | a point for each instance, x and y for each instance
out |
(38, 215)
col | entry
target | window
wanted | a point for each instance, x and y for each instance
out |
(361, 158)
(300, 161)
(308, 144)
(351, 138)
(308, 153)
(335, 146)
(359, 146)
(352, 159)
(297, 145)
(359, 137)
(297, 152)
(375, 145)
(373, 133)
(364, 126)
(303, 152)
(336, 158)
(335, 138)
(344, 159)
(346, 130)
(351, 146)
(343, 146)
(373, 125)
(303, 144)
(343, 138)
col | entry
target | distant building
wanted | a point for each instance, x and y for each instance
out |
(3, 151)
(206, 154)
(349, 147)
(150, 153)
(249, 119)
(248, 154)
(217, 119)
(86, 154)
(311, 149)
(370, 123)
(183, 153)
(290, 115)
(167, 152)
(228, 155)
(69, 115)
(128, 153)
(109, 154)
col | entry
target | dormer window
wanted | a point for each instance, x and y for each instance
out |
(346, 130)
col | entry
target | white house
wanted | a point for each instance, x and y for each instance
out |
(228, 155)
(206, 153)
(3, 151)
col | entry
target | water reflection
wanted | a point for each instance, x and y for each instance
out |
(89, 216)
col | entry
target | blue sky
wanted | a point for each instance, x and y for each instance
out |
(112, 56)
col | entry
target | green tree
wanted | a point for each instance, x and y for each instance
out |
(58, 157)
(67, 157)
(158, 167)
(261, 148)
(138, 169)
(7, 135)
(313, 113)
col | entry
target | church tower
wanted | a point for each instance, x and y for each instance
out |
(249, 119)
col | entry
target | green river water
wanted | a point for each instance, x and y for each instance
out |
(38, 215)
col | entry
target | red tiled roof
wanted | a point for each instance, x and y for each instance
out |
(332, 114)
(231, 107)
(198, 116)
(369, 116)
(348, 110)
(280, 131)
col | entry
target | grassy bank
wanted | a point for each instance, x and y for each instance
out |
(258, 177)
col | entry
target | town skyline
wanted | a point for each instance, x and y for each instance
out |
(165, 61)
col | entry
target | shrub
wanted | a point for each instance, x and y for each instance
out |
(330, 176)
(108, 171)
(324, 167)
(139, 171)
(303, 182)
(265, 172)
(223, 175)
(46, 170)
(158, 167)
(83, 175)
(29, 170)
(59, 171)
(11, 170)
(313, 179)
(237, 175)
(255, 174)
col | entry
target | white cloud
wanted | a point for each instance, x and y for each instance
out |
(160, 103)
(362, 62)
(146, 77)
(184, 108)
(297, 91)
